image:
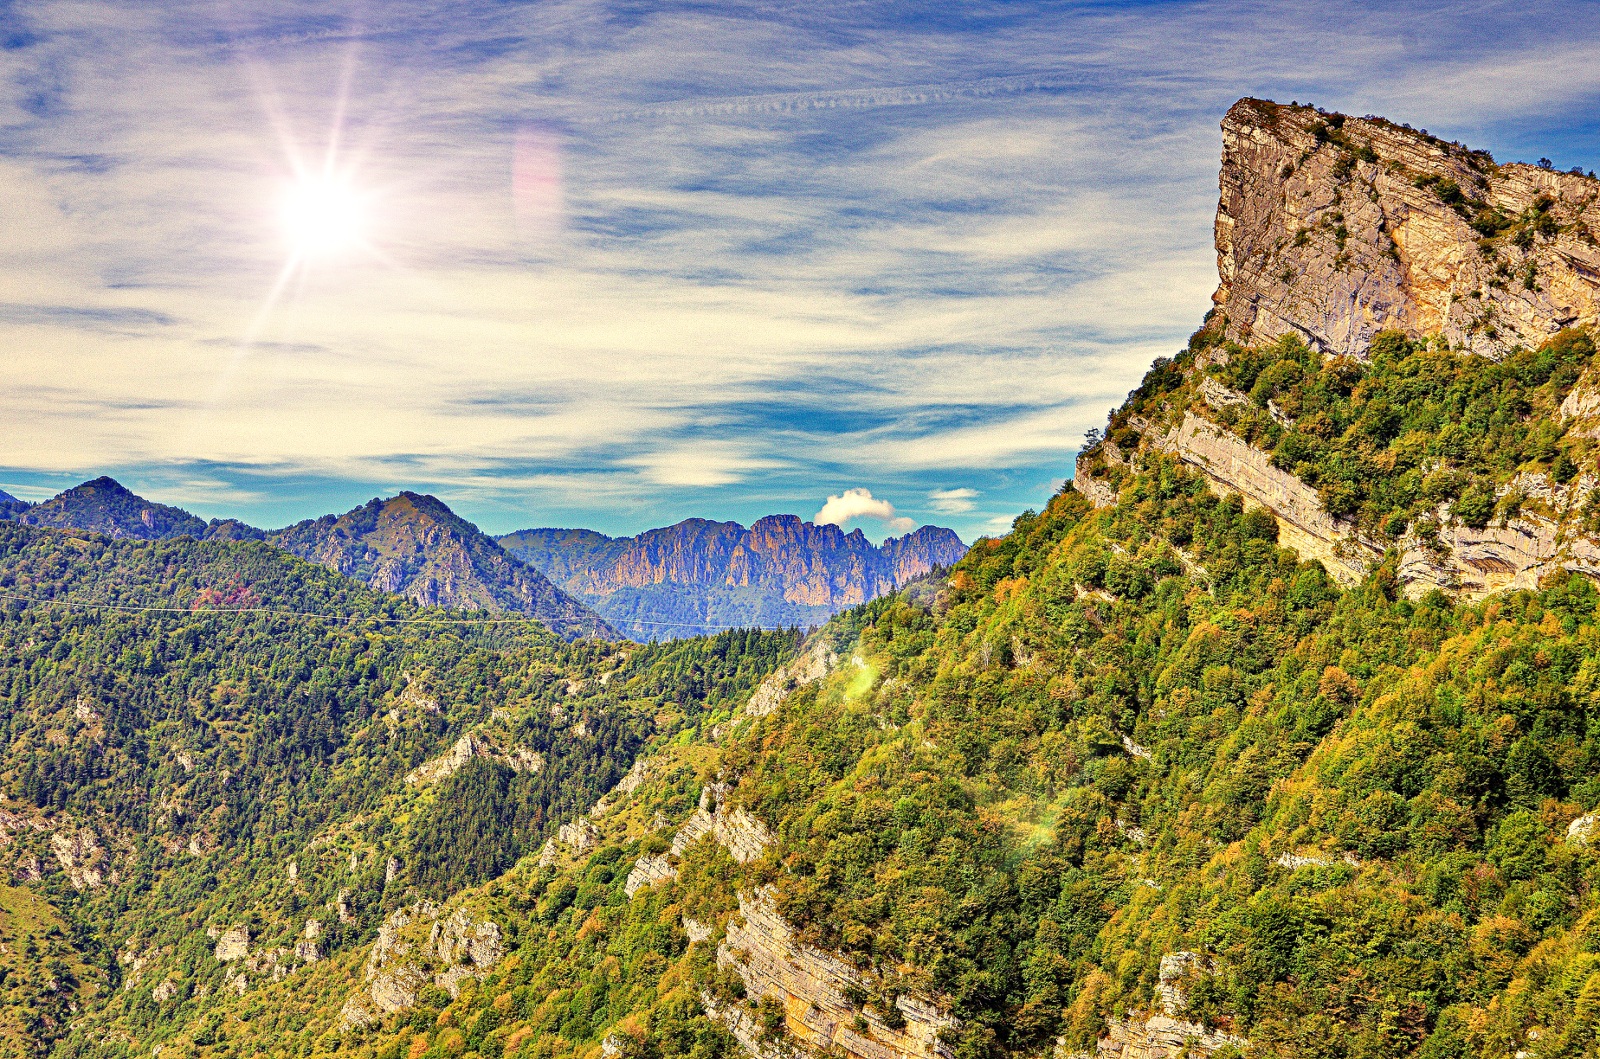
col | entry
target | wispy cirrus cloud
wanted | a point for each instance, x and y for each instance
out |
(778, 248)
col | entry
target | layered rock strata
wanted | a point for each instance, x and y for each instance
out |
(1462, 560)
(814, 989)
(393, 975)
(1334, 228)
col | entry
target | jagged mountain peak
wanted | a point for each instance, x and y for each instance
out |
(1335, 228)
(697, 575)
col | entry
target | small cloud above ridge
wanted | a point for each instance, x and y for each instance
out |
(857, 504)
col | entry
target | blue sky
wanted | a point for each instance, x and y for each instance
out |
(623, 264)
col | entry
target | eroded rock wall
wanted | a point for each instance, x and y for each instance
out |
(813, 987)
(1336, 228)
(1545, 536)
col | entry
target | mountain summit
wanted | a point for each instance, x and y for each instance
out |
(699, 576)
(1335, 228)
(414, 545)
(106, 506)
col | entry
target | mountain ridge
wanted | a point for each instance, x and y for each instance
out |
(411, 545)
(781, 570)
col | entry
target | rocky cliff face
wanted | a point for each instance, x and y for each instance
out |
(1335, 228)
(1545, 536)
(415, 546)
(700, 576)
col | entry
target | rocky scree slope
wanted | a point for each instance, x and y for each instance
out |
(1334, 228)
(708, 575)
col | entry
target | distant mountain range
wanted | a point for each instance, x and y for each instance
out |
(414, 545)
(700, 576)
(697, 576)
(411, 545)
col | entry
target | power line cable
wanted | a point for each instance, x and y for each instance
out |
(280, 612)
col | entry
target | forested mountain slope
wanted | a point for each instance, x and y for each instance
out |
(984, 818)
(410, 544)
(224, 791)
(698, 576)
(1220, 754)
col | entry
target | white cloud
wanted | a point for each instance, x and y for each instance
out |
(860, 503)
(952, 501)
(938, 249)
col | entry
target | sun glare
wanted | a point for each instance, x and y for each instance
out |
(323, 217)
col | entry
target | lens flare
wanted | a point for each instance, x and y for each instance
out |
(323, 217)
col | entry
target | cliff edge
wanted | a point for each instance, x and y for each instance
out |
(1336, 228)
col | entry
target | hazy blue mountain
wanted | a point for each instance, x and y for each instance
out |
(698, 576)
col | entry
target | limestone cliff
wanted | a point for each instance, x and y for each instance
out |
(698, 576)
(1335, 228)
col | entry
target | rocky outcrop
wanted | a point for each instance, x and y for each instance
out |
(1582, 831)
(741, 834)
(465, 947)
(1461, 560)
(459, 945)
(637, 773)
(649, 870)
(232, 944)
(711, 575)
(81, 857)
(1085, 481)
(473, 745)
(1167, 1034)
(809, 668)
(814, 989)
(1304, 524)
(1334, 228)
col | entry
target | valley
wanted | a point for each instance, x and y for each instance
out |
(1275, 731)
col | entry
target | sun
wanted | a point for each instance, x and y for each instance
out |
(323, 217)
